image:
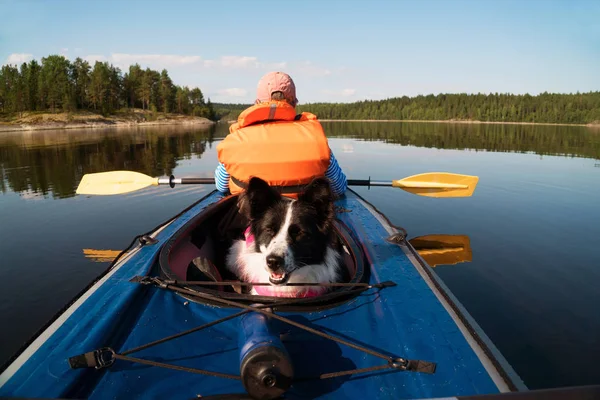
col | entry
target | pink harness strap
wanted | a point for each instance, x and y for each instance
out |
(249, 237)
(269, 291)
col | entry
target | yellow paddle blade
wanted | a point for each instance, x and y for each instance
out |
(114, 182)
(443, 249)
(438, 184)
(101, 255)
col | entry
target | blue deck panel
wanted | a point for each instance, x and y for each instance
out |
(406, 321)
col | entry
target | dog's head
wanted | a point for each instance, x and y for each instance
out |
(290, 233)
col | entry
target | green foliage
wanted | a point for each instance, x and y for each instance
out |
(182, 100)
(10, 83)
(55, 84)
(61, 85)
(166, 92)
(80, 72)
(578, 108)
(227, 112)
(131, 85)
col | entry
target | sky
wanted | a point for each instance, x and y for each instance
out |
(338, 51)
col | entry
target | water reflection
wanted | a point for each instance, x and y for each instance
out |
(443, 249)
(53, 162)
(539, 139)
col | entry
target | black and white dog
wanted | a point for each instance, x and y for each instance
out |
(287, 240)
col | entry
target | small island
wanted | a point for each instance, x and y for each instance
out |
(58, 93)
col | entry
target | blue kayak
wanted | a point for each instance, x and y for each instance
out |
(142, 331)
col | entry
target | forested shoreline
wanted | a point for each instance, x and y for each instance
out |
(59, 85)
(578, 108)
(548, 108)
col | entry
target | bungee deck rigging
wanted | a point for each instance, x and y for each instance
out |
(263, 385)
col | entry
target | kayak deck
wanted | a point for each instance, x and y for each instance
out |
(417, 319)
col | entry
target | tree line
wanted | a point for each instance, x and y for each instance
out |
(57, 84)
(229, 111)
(578, 108)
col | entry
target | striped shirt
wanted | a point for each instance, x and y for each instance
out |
(334, 173)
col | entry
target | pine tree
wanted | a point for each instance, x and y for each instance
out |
(99, 91)
(131, 85)
(55, 87)
(115, 89)
(182, 100)
(9, 88)
(81, 77)
(144, 91)
(167, 92)
(154, 79)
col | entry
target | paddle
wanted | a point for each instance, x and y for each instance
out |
(443, 249)
(100, 255)
(430, 184)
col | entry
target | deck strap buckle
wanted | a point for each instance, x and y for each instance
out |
(396, 238)
(421, 366)
(151, 280)
(101, 358)
(146, 240)
(413, 365)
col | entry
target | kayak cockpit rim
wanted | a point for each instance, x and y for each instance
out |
(352, 253)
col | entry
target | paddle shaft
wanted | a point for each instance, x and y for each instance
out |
(172, 181)
(368, 182)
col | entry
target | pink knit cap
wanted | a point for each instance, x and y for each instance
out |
(276, 82)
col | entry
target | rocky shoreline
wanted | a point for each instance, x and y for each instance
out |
(91, 121)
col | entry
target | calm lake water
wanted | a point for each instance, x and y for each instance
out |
(532, 282)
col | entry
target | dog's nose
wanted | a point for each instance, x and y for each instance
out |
(274, 262)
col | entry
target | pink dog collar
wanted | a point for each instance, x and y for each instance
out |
(249, 237)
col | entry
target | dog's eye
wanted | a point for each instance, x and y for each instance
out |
(296, 232)
(270, 231)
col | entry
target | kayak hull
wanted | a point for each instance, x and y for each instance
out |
(416, 319)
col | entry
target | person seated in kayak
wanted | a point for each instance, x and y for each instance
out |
(270, 141)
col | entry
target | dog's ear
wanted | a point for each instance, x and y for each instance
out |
(257, 198)
(318, 195)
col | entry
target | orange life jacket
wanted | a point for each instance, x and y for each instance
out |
(271, 142)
